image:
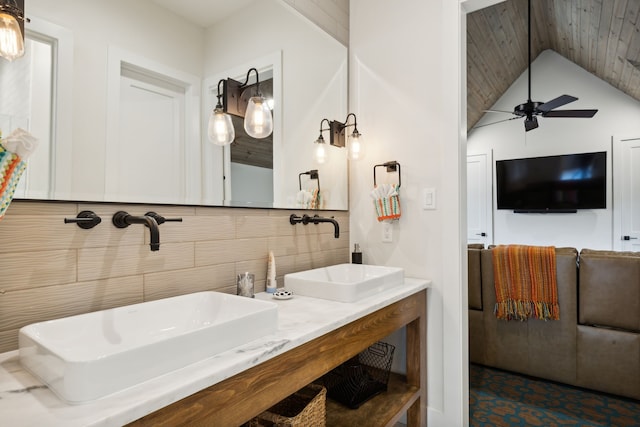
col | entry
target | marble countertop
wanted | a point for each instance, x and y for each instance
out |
(25, 401)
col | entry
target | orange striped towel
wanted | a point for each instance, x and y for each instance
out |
(525, 282)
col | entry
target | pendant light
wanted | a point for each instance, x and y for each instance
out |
(320, 151)
(355, 147)
(11, 36)
(221, 131)
(258, 122)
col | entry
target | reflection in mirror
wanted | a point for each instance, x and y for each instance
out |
(131, 87)
(250, 175)
(26, 103)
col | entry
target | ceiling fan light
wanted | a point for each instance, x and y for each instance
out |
(530, 123)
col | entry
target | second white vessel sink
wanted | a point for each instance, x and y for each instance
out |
(85, 357)
(344, 282)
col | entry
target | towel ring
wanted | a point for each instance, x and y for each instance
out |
(391, 166)
(313, 174)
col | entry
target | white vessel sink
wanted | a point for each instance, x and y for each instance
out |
(344, 282)
(85, 357)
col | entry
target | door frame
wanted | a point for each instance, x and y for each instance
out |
(616, 176)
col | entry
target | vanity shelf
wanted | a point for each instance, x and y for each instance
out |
(383, 409)
(236, 400)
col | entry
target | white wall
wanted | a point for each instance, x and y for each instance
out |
(405, 87)
(552, 76)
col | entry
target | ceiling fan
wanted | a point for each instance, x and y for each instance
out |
(531, 109)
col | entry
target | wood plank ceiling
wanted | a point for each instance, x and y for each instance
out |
(601, 36)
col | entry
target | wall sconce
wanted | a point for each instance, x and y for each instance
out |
(12, 29)
(337, 133)
(258, 122)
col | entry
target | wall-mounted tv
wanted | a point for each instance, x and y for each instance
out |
(563, 183)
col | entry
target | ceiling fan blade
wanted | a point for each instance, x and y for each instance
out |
(571, 113)
(557, 102)
(498, 111)
(530, 124)
(493, 123)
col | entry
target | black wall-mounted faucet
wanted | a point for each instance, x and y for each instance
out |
(122, 219)
(316, 219)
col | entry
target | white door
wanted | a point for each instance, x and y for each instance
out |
(150, 152)
(479, 199)
(626, 193)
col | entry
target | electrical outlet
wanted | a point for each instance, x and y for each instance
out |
(387, 232)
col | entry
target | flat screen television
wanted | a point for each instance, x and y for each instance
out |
(563, 183)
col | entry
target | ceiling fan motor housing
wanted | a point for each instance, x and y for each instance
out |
(527, 109)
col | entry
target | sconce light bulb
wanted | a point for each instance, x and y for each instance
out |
(11, 41)
(321, 151)
(258, 122)
(356, 148)
(220, 130)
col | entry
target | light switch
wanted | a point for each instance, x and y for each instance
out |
(428, 198)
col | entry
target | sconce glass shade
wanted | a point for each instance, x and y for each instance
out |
(258, 122)
(221, 130)
(11, 40)
(355, 146)
(320, 153)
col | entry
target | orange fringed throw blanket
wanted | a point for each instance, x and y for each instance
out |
(525, 282)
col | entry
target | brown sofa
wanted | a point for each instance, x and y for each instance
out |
(596, 342)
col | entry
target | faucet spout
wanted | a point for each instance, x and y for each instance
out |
(122, 219)
(318, 219)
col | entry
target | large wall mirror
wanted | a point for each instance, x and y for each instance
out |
(119, 95)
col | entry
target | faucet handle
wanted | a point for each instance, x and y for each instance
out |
(85, 220)
(160, 219)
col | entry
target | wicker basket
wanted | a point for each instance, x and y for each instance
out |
(304, 408)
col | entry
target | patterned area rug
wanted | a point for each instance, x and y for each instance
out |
(498, 398)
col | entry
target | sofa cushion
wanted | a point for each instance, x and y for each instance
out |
(476, 337)
(474, 279)
(609, 293)
(608, 360)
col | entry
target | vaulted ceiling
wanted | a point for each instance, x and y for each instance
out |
(601, 36)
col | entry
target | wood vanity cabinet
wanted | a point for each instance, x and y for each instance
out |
(236, 400)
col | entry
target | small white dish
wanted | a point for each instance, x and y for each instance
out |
(283, 294)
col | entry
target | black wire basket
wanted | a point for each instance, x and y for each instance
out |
(361, 377)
